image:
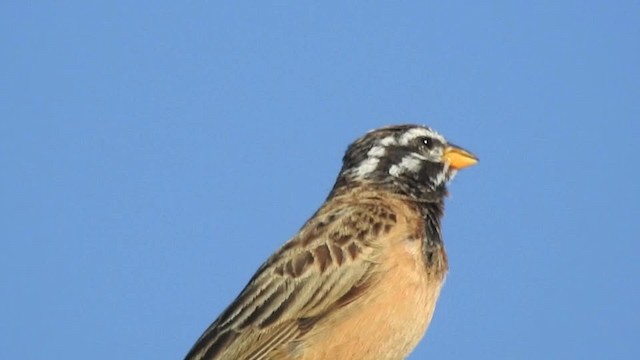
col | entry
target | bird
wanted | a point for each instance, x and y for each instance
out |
(361, 278)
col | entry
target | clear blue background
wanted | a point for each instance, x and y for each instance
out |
(154, 153)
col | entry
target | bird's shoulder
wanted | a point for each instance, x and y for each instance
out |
(347, 228)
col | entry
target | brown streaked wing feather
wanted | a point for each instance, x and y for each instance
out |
(327, 265)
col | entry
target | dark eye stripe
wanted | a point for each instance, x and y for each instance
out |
(428, 142)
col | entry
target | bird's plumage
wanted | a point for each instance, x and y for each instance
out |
(361, 278)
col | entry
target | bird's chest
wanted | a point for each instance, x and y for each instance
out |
(391, 319)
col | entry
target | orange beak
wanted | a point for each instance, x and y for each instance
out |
(459, 158)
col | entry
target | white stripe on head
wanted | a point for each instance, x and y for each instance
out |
(366, 167)
(417, 132)
(445, 175)
(389, 140)
(377, 151)
(411, 163)
(370, 164)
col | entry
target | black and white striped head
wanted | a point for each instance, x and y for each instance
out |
(413, 158)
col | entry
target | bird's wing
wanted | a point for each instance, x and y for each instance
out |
(329, 264)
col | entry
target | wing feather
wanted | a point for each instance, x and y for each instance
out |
(330, 263)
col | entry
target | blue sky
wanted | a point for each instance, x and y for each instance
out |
(153, 154)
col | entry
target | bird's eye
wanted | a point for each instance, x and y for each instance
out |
(428, 142)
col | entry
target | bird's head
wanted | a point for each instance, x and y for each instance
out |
(410, 159)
